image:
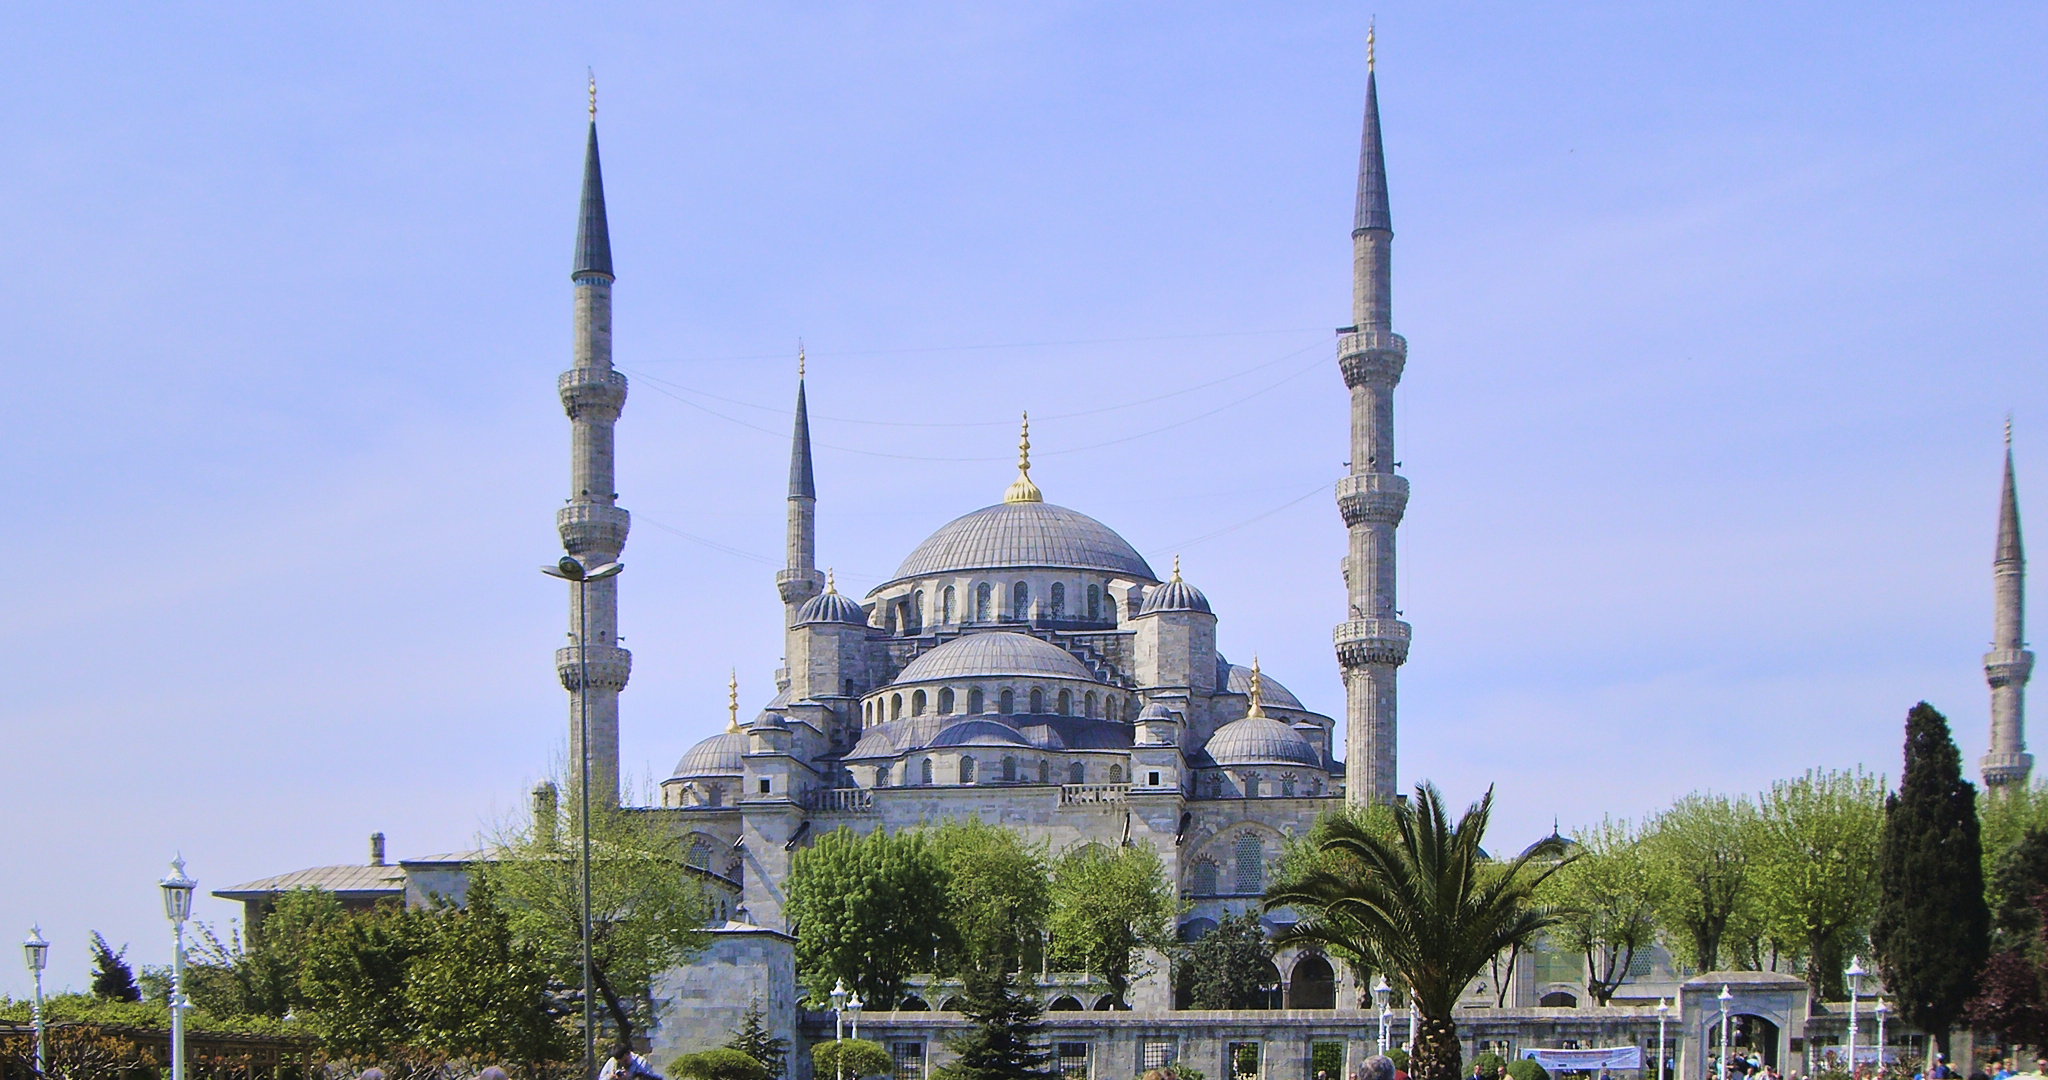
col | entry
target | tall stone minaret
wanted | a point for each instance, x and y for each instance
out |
(592, 525)
(2008, 665)
(800, 580)
(1372, 643)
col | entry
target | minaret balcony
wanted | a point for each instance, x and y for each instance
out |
(1363, 642)
(592, 527)
(797, 586)
(593, 394)
(2008, 667)
(2002, 769)
(609, 667)
(1372, 498)
(1372, 356)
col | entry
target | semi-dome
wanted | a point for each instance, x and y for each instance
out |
(1237, 679)
(980, 733)
(1175, 595)
(720, 755)
(1017, 535)
(832, 607)
(1261, 740)
(995, 653)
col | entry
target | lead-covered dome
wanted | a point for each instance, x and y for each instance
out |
(1017, 535)
(1175, 595)
(1237, 679)
(995, 653)
(1261, 740)
(832, 607)
(722, 754)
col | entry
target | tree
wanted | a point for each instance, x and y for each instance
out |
(752, 1039)
(1106, 905)
(720, 1063)
(997, 894)
(1816, 863)
(1303, 854)
(2019, 875)
(1002, 1044)
(474, 993)
(647, 909)
(1228, 968)
(1606, 899)
(2006, 815)
(112, 978)
(2008, 1002)
(258, 974)
(354, 976)
(1932, 928)
(846, 1059)
(1701, 850)
(869, 911)
(1427, 906)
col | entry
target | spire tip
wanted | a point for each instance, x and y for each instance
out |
(1371, 32)
(593, 93)
(1022, 490)
(732, 702)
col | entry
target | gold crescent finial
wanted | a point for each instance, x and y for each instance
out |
(732, 702)
(1257, 707)
(593, 95)
(2008, 433)
(830, 585)
(1022, 490)
(799, 358)
(1370, 29)
(1176, 568)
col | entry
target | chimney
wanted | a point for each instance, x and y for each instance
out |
(376, 849)
(544, 814)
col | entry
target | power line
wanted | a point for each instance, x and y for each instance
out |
(996, 345)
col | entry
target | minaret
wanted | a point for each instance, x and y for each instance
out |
(592, 525)
(1372, 643)
(2008, 665)
(800, 580)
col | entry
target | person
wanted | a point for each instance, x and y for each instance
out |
(625, 1063)
(492, 1073)
(1377, 1067)
(1477, 1072)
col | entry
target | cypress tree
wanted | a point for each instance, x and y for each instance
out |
(112, 978)
(1932, 930)
(1002, 1043)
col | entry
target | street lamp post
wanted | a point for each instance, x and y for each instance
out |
(37, 952)
(1384, 996)
(178, 891)
(853, 1006)
(1879, 1009)
(839, 1010)
(1725, 998)
(1663, 1014)
(1855, 976)
(572, 570)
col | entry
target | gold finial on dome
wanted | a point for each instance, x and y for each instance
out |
(1258, 707)
(830, 585)
(593, 96)
(1022, 490)
(799, 358)
(1370, 27)
(732, 703)
(1176, 568)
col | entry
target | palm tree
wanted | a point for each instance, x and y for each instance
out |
(1423, 905)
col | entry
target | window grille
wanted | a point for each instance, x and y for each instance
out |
(1251, 863)
(1205, 878)
(1059, 600)
(909, 1060)
(1073, 1060)
(1157, 1054)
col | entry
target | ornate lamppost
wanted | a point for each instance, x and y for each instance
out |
(1855, 976)
(178, 891)
(571, 570)
(1663, 1014)
(1384, 996)
(37, 952)
(1879, 1009)
(1725, 998)
(853, 1007)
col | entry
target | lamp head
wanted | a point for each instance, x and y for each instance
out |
(36, 950)
(567, 568)
(178, 891)
(1381, 992)
(1663, 1006)
(853, 1002)
(1855, 973)
(599, 573)
(839, 994)
(1725, 996)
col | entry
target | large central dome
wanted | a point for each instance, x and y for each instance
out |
(1017, 535)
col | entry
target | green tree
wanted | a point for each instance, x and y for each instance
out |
(353, 980)
(258, 974)
(2005, 817)
(846, 1059)
(720, 1063)
(1427, 907)
(112, 978)
(1816, 864)
(474, 993)
(1932, 930)
(2019, 875)
(1527, 1069)
(1307, 853)
(1003, 1043)
(1228, 968)
(1606, 899)
(753, 1039)
(647, 909)
(1700, 851)
(1107, 904)
(869, 911)
(998, 892)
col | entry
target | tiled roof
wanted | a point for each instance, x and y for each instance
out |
(343, 880)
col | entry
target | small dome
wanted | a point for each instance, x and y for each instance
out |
(830, 607)
(719, 755)
(1175, 595)
(995, 653)
(980, 733)
(1156, 711)
(1237, 679)
(1261, 740)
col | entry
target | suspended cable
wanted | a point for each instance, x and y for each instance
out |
(1185, 544)
(997, 345)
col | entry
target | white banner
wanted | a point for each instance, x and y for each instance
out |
(1613, 1057)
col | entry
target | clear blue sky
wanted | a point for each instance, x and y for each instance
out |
(1716, 313)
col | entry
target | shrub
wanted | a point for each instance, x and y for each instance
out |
(852, 1057)
(722, 1063)
(1489, 1064)
(1526, 1069)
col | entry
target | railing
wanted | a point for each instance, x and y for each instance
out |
(1092, 794)
(841, 801)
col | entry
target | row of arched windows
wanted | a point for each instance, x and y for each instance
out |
(1008, 771)
(907, 615)
(1037, 701)
(1256, 786)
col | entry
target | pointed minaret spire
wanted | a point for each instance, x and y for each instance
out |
(802, 484)
(799, 580)
(593, 235)
(1022, 490)
(1373, 643)
(2008, 665)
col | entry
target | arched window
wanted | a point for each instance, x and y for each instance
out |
(1251, 785)
(1020, 601)
(1037, 701)
(1009, 770)
(1215, 785)
(1058, 600)
(1116, 774)
(967, 770)
(981, 602)
(1205, 878)
(1094, 603)
(848, 688)
(1066, 702)
(1287, 785)
(1007, 704)
(700, 854)
(946, 701)
(1045, 772)
(1076, 773)
(1251, 863)
(925, 773)
(917, 703)
(715, 795)
(946, 606)
(1109, 707)
(916, 620)
(1093, 703)
(867, 713)
(1110, 601)
(895, 706)
(975, 702)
